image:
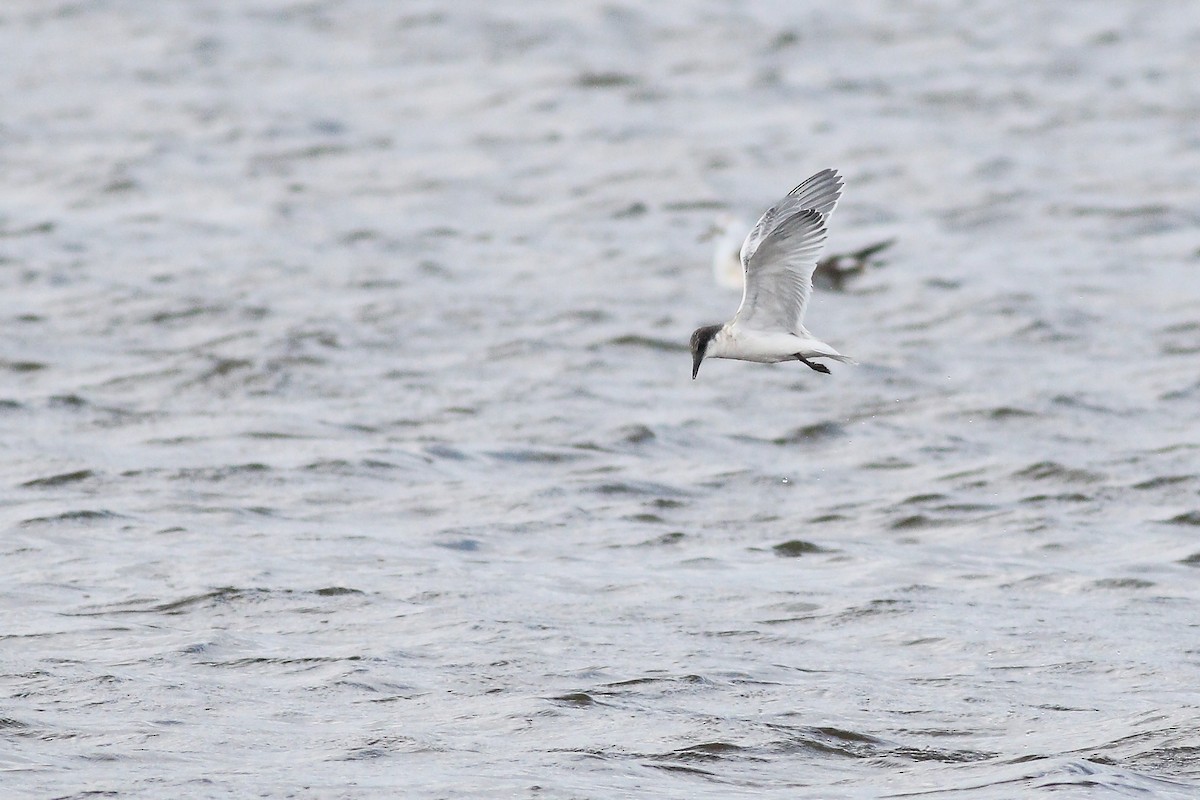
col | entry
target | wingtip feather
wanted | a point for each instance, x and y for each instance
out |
(821, 191)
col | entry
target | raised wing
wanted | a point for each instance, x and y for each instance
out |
(819, 193)
(779, 274)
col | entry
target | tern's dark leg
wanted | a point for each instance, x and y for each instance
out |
(812, 365)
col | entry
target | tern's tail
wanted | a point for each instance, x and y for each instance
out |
(818, 349)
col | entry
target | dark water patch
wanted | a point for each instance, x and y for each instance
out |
(667, 539)
(693, 205)
(531, 456)
(820, 518)
(1183, 339)
(319, 336)
(1003, 413)
(72, 517)
(666, 502)
(446, 452)
(649, 342)
(221, 367)
(875, 608)
(356, 235)
(1122, 212)
(920, 754)
(917, 522)
(1181, 327)
(631, 211)
(120, 186)
(639, 488)
(605, 80)
(923, 498)
(644, 517)
(1064, 497)
(138, 473)
(682, 768)
(1182, 761)
(792, 620)
(827, 741)
(850, 744)
(216, 597)
(218, 474)
(1122, 583)
(795, 548)
(812, 434)
(1178, 349)
(635, 434)
(1052, 470)
(36, 229)
(279, 161)
(60, 480)
(374, 749)
(588, 316)
(1188, 392)
(1188, 518)
(1081, 402)
(688, 679)
(461, 545)
(783, 40)
(1043, 332)
(22, 366)
(1191, 561)
(336, 591)
(1164, 480)
(67, 401)
(924, 640)
(966, 473)
(709, 751)
(308, 662)
(575, 700)
(225, 595)
(10, 405)
(191, 312)
(174, 441)
(332, 466)
(889, 463)
(965, 508)
(272, 435)
(929, 323)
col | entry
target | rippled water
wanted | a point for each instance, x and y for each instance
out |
(350, 448)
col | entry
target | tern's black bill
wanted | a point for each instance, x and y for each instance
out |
(700, 339)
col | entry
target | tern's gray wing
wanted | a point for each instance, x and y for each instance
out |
(820, 193)
(779, 274)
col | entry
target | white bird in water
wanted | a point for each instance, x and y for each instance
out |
(727, 261)
(778, 259)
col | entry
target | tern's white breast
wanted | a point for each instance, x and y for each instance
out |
(750, 345)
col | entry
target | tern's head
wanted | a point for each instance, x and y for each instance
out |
(700, 342)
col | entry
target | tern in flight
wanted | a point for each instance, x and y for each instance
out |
(778, 259)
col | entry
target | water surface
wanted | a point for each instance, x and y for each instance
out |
(350, 448)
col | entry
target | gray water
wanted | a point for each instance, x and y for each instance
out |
(350, 447)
